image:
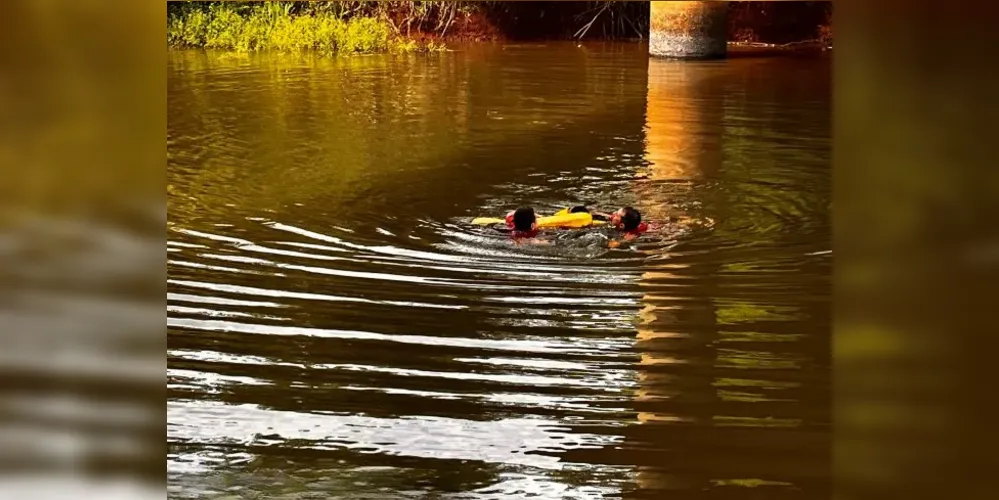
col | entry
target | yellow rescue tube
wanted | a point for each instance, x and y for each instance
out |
(565, 213)
(561, 219)
(566, 220)
(482, 221)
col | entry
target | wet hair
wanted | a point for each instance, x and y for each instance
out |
(579, 209)
(630, 218)
(523, 219)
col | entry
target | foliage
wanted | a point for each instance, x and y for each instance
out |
(622, 19)
(328, 27)
(398, 25)
(570, 20)
(779, 22)
(825, 30)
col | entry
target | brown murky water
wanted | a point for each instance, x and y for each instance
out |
(338, 329)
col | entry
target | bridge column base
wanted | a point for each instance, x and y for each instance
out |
(688, 30)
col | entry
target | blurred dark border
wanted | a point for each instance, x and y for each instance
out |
(82, 252)
(81, 146)
(915, 247)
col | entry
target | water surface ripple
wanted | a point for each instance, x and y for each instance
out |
(338, 329)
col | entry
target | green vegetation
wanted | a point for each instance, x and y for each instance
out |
(385, 26)
(284, 26)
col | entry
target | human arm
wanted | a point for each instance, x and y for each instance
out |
(601, 216)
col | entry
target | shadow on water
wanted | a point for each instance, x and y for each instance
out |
(338, 328)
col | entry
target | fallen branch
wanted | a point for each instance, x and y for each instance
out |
(586, 28)
(641, 36)
(454, 11)
(813, 41)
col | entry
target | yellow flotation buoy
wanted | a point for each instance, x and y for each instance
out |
(561, 219)
(483, 221)
(566, 220)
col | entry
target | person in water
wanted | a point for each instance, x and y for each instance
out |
(524, 220)
(626, 218)
(525, 225)
(630, 220)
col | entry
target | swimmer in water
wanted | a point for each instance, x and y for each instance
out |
(525, 226)
(626, 219)
(629, 220)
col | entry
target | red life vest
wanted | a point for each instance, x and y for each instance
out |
(642, 227)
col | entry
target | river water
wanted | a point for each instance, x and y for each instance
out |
(338, 329)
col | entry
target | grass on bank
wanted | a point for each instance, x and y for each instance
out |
(273, 26)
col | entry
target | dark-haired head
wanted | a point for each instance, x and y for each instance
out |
(579, 210)
(630, 218)
(524, 219)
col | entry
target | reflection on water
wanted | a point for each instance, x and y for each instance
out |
(337, 328)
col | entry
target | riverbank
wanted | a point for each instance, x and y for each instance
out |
(398, 26)
(282, 27)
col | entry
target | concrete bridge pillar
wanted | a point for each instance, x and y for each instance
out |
(688, 30)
